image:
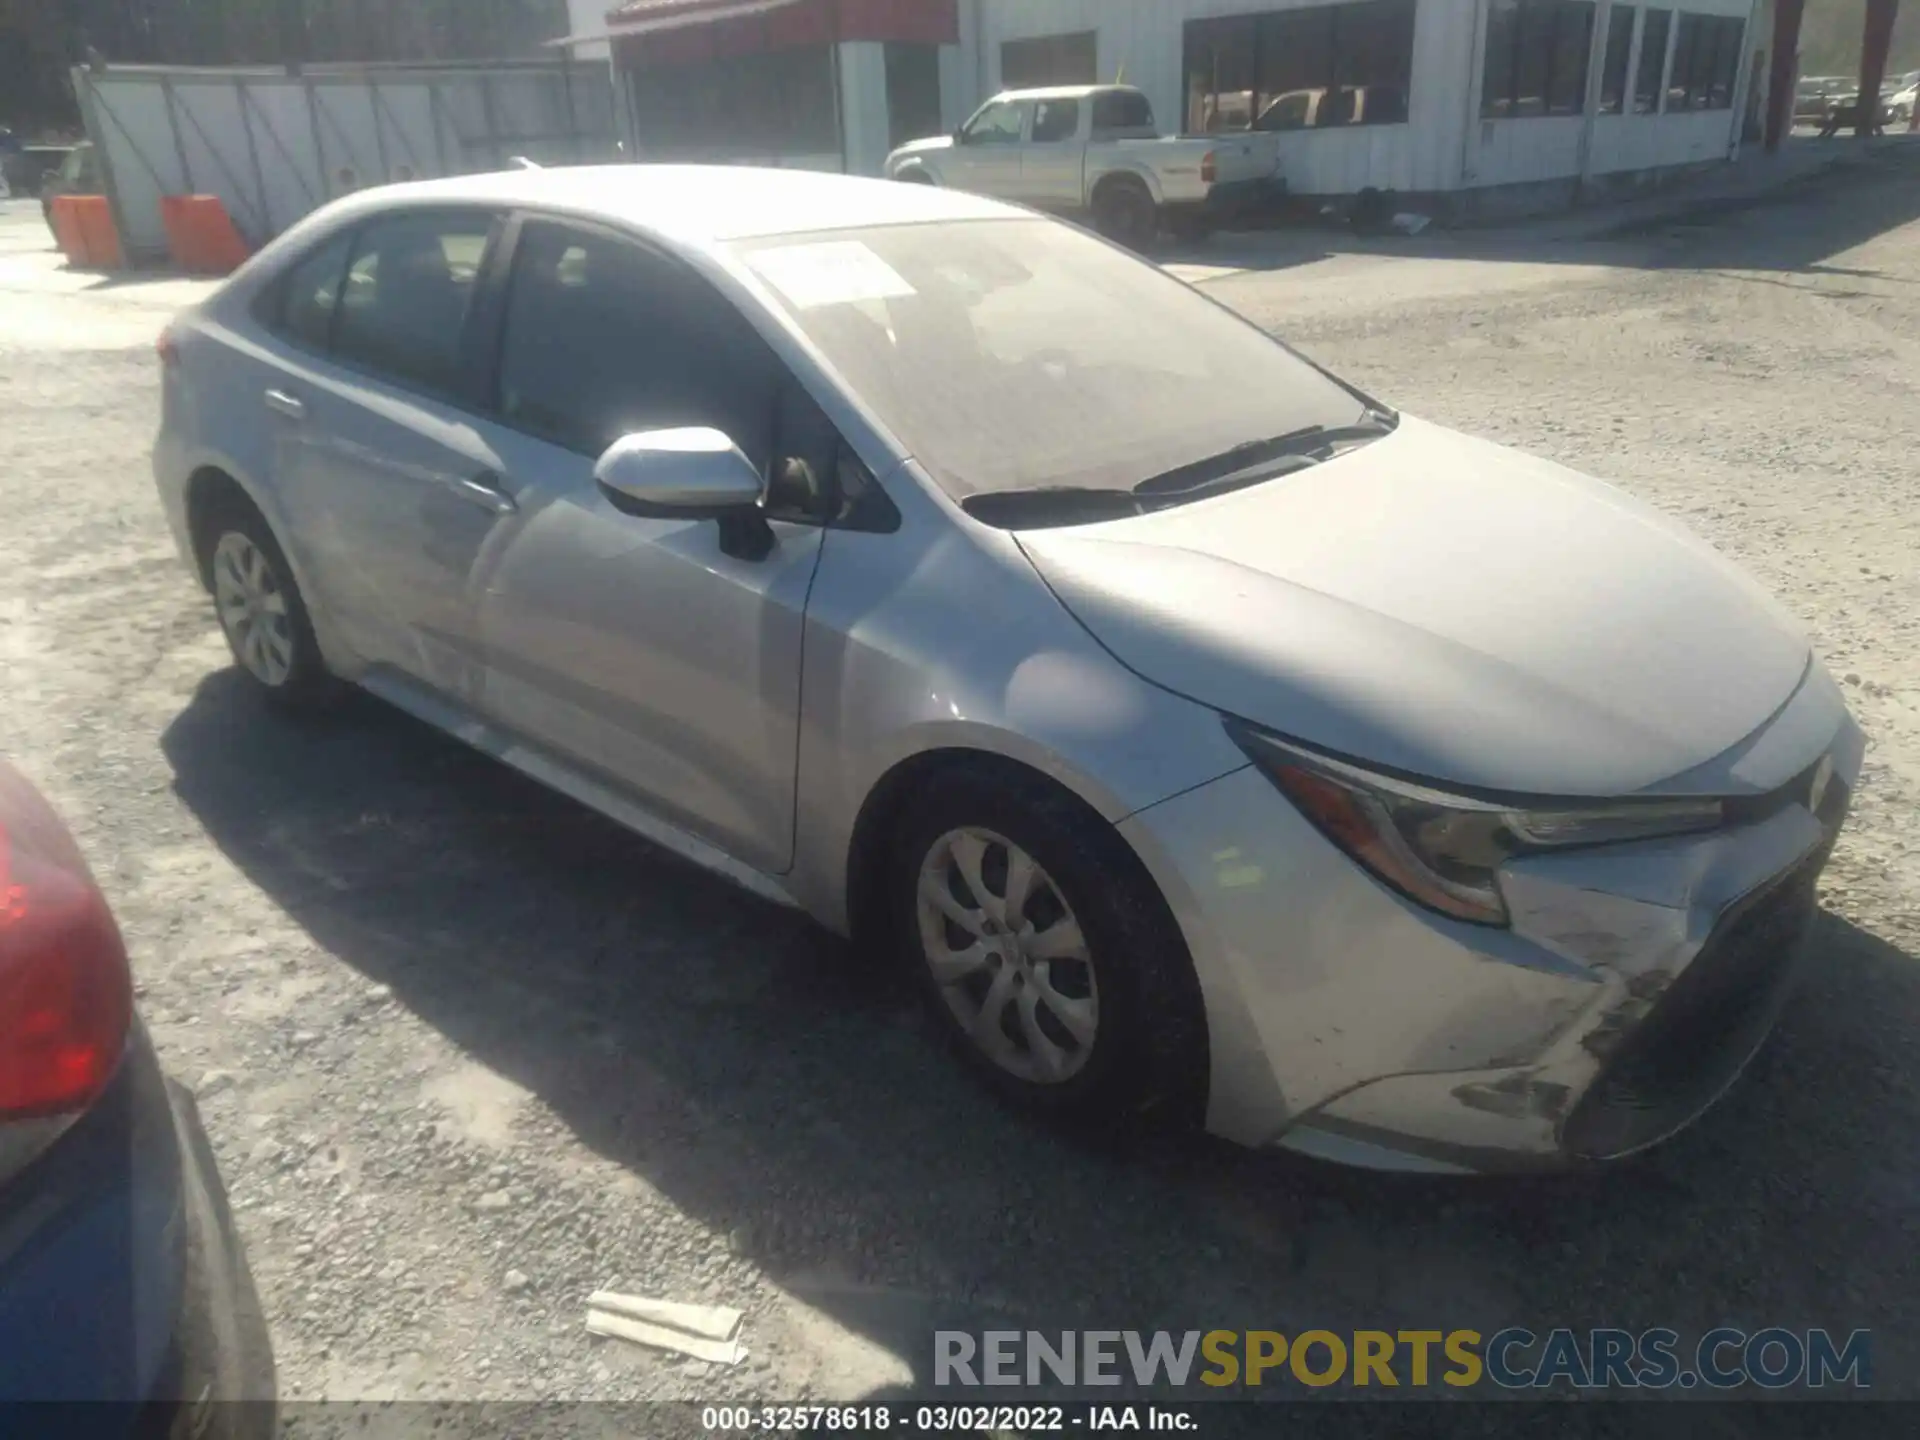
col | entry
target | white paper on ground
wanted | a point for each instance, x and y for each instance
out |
(705, 1332)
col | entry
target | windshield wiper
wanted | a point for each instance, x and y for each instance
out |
(1307, 443)
(1052, 505)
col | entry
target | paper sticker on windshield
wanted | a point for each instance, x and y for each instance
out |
(830, 272)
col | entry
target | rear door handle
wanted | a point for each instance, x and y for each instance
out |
(281, 403)
(484, 490)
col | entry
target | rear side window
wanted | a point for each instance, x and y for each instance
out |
(1122, 110)
(310, 294)
(604, 338)
(1055, 120)
(409, 287)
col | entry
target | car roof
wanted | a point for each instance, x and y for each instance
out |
(1066, 92)
(701, 204)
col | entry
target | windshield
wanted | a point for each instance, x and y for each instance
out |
(1022, 354)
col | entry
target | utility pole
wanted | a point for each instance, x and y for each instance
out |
(1873, 63)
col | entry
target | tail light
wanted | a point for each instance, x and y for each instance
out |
(66, 998)
(1209, 167)
(168, 349)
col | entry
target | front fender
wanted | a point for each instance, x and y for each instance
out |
(942, 636)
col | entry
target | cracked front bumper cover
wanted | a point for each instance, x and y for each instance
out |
(1633, 987)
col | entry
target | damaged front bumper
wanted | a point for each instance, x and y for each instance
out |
(1633, 986)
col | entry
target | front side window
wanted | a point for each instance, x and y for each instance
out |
(1055, 121)
(1019, 354)
(604, 338)
(402, 311)
(998, 123)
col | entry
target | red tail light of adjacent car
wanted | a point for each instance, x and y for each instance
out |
(66, 997)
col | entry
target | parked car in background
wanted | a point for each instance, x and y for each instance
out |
(1198, 733)
(78, 174)
(1094, 150)
(1903, 98)
(122, 1280)
(1816, 96)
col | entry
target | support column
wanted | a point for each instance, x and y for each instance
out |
(864, 131)
(1873, 62)
(1786, 56)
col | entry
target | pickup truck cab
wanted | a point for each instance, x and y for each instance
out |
(1095, 150)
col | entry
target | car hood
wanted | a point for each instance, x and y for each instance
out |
(1447, 608)
(923, 147)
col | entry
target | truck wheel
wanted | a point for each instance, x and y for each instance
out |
(1124, 212)
(914, 177)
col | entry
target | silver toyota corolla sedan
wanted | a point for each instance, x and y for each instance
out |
(1206, 737)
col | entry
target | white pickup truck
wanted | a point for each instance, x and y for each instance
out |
(1095, 150)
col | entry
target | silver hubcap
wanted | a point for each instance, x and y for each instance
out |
(1008, 955)
(253, 608)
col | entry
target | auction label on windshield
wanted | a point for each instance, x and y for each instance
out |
(829, 272)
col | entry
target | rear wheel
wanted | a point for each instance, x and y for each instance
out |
(1044, 954)
(261, 612)
(1124, 212)
(1191, 229)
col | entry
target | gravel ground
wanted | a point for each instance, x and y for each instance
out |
(467, 1052)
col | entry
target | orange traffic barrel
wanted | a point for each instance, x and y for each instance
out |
(96, 226)
(200, 234)
(66, 229)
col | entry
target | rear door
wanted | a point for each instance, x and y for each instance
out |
(641, 650)
(397, 495)
(1053, 161)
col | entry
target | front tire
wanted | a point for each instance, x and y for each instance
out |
(262, 614)
(1044, 953)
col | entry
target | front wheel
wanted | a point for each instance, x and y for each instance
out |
(1044, 953)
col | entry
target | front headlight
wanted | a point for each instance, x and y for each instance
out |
(1445, 851)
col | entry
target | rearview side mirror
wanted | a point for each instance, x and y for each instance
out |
(695, 473)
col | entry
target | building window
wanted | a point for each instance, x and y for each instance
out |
(1613, 74)
(1706, 62)
(1049, 60)
(1536, 58)
(1301, 69)
(1654, 34)
(773, 104)
(913, 92)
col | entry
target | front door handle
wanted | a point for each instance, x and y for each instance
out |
(484, 490)
(281, 403)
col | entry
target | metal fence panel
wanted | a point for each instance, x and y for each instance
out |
(275, 146)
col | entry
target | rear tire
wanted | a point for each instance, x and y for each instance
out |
(262, 614)
(1191, 229)
(1124, 212)
(1044, 953)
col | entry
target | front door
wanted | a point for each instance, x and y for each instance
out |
(639, 649)
(986, 154)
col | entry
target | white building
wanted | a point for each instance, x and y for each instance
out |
(1475, 103)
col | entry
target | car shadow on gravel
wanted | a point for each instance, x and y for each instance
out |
(780, 1090)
